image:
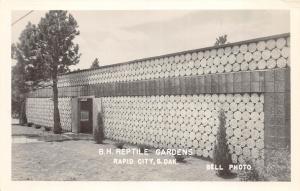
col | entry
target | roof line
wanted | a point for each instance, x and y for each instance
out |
(184, 52)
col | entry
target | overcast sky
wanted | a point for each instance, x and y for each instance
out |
(120, 36)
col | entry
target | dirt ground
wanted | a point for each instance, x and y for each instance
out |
(40, 155)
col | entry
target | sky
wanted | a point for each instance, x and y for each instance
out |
(122, 35)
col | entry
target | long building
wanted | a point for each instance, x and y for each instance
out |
(173, 100)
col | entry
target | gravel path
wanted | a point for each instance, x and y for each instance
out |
(67, 159)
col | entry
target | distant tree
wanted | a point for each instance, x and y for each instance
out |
(95, 64)
(23, 78)
(221, 40)
(18, 94)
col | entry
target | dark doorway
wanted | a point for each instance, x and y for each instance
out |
(86, 115)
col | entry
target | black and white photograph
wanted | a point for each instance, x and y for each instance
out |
(149, 95)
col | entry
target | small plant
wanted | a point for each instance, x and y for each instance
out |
(37, 126)
(250, 174)
(119, 145)
(98, 131)
(142, 147)
(221, 154)
(29, 124)
(47, 128)
(179, 158)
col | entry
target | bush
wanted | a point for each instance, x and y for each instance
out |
(47, 128)
(278, 166)
(142, 147)
(99, 130)
(29, 124)
(37, 126)
(119, 145)
(179, 158)
(221, 154)
(250, 175)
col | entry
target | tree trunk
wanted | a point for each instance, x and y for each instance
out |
(57, 126)
(22, 112)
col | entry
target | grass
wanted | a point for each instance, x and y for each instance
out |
(79, 160)
(58, 157)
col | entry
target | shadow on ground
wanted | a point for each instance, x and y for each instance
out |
(42, 136)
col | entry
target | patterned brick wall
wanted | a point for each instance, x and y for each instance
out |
(259, 54)
(188, 122)
(40, 111)
(173, 100)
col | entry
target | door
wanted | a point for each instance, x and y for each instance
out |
(86, 115)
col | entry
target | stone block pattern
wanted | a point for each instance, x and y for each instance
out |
(188, 121)
(173, 100)
(259, 54)
(40, 111)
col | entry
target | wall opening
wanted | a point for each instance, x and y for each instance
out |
(85, 115)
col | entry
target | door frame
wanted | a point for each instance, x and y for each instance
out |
(75, 108)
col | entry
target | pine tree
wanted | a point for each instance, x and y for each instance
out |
(44, 52)
(18, 94)
(221, 155)
(23, 78)
(57, 51)
(221, 40)
(95, 64)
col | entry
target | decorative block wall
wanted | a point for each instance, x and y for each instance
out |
(173, 100)
(40, 111)
(188, 122)
(265, 53)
